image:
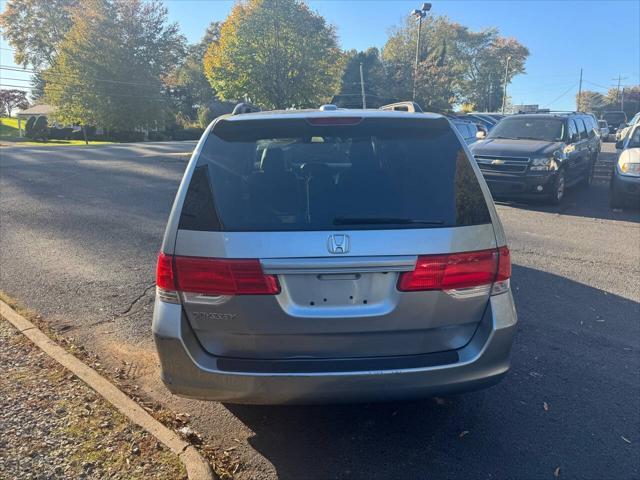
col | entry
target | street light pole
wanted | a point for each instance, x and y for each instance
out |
(504, 90)
(419, 14)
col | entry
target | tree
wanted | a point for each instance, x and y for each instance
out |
(374, 78)
(35, 28)
(473, 64)
(12, 99)
(188, 85)
(590, 101)
(37, 128)
(276, 53)
(613, 100)
(109, 69)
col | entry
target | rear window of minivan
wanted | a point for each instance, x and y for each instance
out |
(308, 174)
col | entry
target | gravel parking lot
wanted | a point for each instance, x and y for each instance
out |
(80, 233)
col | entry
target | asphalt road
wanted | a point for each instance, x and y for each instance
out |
(80, 228)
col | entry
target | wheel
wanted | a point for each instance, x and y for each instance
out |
(556, 197)
(616, 200)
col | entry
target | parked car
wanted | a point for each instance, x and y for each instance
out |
(467, 129)
(604, 130)
(332, 256)
(614, 119)
(622, 132)
(538, 155)
(486, 120)
(625, 179)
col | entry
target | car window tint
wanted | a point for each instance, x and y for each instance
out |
(529, 127)
(286, 175)
(573, 130)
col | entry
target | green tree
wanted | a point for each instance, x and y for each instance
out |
(613, 100)
(108, 70)
(473, 64)
(276, 53)
(374, 78)
(35, 28)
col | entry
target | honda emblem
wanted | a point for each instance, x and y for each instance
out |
(339, 244)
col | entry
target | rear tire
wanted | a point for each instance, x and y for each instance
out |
(556, 197)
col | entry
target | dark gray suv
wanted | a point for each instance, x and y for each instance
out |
(538, 155)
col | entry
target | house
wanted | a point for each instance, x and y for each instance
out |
(35, 111)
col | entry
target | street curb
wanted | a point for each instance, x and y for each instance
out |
(197, 467)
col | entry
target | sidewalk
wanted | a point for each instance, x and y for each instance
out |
(54, 426)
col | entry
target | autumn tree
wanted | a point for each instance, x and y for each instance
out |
(276, 53)
(12, 99)
(590, 101)
(630, 103)
(108, 70)
(464, 66)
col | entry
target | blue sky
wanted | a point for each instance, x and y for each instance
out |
(601, 36)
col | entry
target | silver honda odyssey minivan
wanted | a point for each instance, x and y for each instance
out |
(332, 255)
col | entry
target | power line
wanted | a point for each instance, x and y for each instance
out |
(106, 80)
(562, 94)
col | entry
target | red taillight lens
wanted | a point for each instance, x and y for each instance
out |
(504, 264)
(456, 270)
(214, 276)
(164, 272)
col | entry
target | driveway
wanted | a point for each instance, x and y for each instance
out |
(80, 233)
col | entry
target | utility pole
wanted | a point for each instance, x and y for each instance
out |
(364, 98)
(622, 100)
(620, 78)
(579, 102)
(504, 89)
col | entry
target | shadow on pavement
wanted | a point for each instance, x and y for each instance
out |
(576, 350)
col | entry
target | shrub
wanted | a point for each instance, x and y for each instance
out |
(187, 134)
(37, 128)
(60, 133)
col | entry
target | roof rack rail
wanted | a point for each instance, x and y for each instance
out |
(411, 107)
(244, 107)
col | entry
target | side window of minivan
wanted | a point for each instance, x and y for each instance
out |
(588, 122)
(573, 131)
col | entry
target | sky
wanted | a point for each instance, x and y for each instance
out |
(600, 36)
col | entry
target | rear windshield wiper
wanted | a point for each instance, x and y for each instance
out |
(383, 221)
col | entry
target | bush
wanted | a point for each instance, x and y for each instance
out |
(60, 133)
(79, 135)
(159, 136)
(37, 128)
(28, 128)
(126, 137)
(187, 134)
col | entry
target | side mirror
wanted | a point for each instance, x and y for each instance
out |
(480, 134)
(619, 145)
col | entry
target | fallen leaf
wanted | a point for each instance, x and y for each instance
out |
(463, 433)
(556, 472)
(545, 405)
(625, 439)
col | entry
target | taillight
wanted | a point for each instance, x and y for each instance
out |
(214, 276)
(457, 270)
(164, 272)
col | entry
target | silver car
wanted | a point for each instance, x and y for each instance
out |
(318, 256)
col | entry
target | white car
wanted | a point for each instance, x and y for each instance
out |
(622, 133)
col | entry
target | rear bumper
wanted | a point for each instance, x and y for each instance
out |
(189, 371)
(521, 185)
